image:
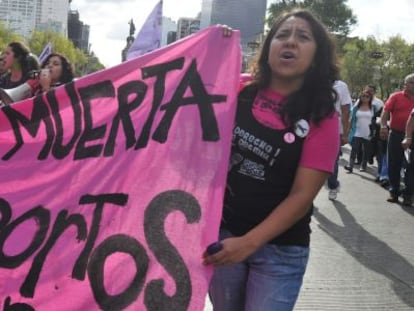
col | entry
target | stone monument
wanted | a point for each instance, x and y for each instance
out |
(129, 39)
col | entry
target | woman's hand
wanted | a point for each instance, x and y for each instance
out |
(45, 80)
(234, 250)
(344, 139)
(227, 31)
(406, 143)
(384, 133)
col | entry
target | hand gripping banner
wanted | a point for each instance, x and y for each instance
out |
(111, 186)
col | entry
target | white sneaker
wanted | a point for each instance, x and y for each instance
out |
(333, 193)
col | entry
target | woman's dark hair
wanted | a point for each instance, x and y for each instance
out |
(371, 86)
(370, 100)
(32, 62)
(21, 54)
(316, 97)
(67, 69)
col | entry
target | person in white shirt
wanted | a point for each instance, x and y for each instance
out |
(373, 151)
(342, 106)
(359, 133)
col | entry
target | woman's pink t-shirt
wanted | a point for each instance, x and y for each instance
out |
(321, 145)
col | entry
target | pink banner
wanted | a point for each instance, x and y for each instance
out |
(111, 187)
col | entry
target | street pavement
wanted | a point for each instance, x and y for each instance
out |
(362, 249)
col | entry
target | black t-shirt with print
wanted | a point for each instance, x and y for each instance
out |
(262, 168)
(7, 83)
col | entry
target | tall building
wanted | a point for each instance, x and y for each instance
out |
(248, 16)
(54, 15)
(169, 28)
(187, 26)
(23, 16)
(78, 32)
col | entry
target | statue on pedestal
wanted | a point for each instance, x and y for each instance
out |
(131, 27)
(129, 39)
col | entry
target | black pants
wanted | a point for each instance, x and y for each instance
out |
(396, 162)
(359, 144)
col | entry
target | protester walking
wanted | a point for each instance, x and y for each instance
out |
(380, 150)
(285, 143)
(398, 108)
(343, 104)
(360, 130)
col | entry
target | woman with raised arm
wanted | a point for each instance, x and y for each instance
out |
(285, 143)
(56, 70)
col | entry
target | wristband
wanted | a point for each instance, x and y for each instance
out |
(383, 127)
(408, 138)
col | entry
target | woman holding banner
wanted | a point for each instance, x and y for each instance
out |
(285, 143)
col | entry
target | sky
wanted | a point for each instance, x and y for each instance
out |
(108, 20)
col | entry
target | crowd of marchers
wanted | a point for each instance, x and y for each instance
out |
(380, 133)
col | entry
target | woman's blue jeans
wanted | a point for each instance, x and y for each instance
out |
(268, 280)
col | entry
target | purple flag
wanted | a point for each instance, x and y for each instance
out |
(45, 53)
(149, 37)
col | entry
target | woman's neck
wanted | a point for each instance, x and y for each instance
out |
(364, 106)
(16, 75)
(285, 86)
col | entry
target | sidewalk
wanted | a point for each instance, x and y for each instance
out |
(362, 255)
(362, 250)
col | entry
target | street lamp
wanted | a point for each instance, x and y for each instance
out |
(253, 45)
(377, 55)
(376, 72)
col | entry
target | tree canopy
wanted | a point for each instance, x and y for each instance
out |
(385, 64)
(7, 36)
(362, 61)
(335, 14)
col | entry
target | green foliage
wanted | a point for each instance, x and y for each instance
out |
(335, 14)
(357, 56)
(360, 67)
(7, 36)
(92, 65)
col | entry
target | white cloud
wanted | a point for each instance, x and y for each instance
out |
(109, 28)
(384, 18)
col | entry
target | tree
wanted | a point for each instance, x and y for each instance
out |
(358, 66)
(335, 14)
(398, 62)
(371, 62)
(7, 36)
(92, 64)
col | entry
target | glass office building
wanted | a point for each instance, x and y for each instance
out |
(248, 16)
(23, 16)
